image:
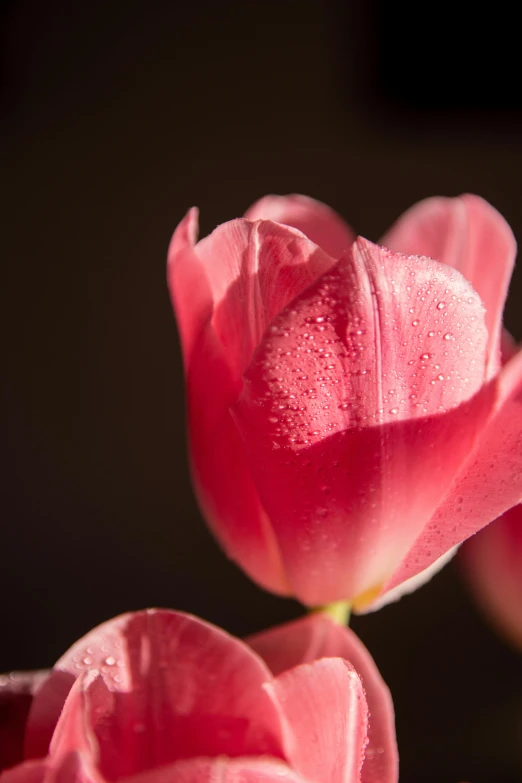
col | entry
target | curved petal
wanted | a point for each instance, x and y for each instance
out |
(493, 563)
(254, 270)
(221, 770)
(222, 479)
(170, 686)
(16, 695)
(360, 391)
(316, 636)
(188, 285)
(325, 719)
(489, 484)
(316, 220)
(470, 235)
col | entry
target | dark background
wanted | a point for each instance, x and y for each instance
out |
(116, 118)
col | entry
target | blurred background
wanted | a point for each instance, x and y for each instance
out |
(117, 117)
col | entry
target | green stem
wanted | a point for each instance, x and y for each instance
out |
(339, 611)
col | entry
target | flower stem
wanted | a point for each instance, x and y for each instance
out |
(339, 611)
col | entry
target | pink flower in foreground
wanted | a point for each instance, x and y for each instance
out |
(349, 424)
(160, 696)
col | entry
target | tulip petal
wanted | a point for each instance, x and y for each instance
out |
(325, 719)
(489, 484)
(221, 770)
(222, 478)
(16, 695)
(316, 636)
(362, 389)
(254, 271)
(469, 235)
(170, 686)
(316, 220)
(188, 284)
(493, 561)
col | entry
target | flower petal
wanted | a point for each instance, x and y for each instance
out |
(493, 562)
(316, 636)
(316, 220)
(489, 484)
(254, 270)
(360, 391)
(16, 695)
(325, 719)
(470, 235)
(188, 284)
(171, 686)
(222, 479)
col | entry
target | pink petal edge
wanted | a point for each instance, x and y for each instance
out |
(489, 483)
(316, 636)
(324, 718)
(469, 235)
(316, 220)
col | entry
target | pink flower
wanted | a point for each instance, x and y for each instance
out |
(160, 696)
(493, 560)
(349, 424)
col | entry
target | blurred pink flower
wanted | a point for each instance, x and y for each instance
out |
(493, 559)
(159, 696)
(493, 562)
(349, 424)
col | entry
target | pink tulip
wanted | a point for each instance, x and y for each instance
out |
(349, 424)
(160, 696)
